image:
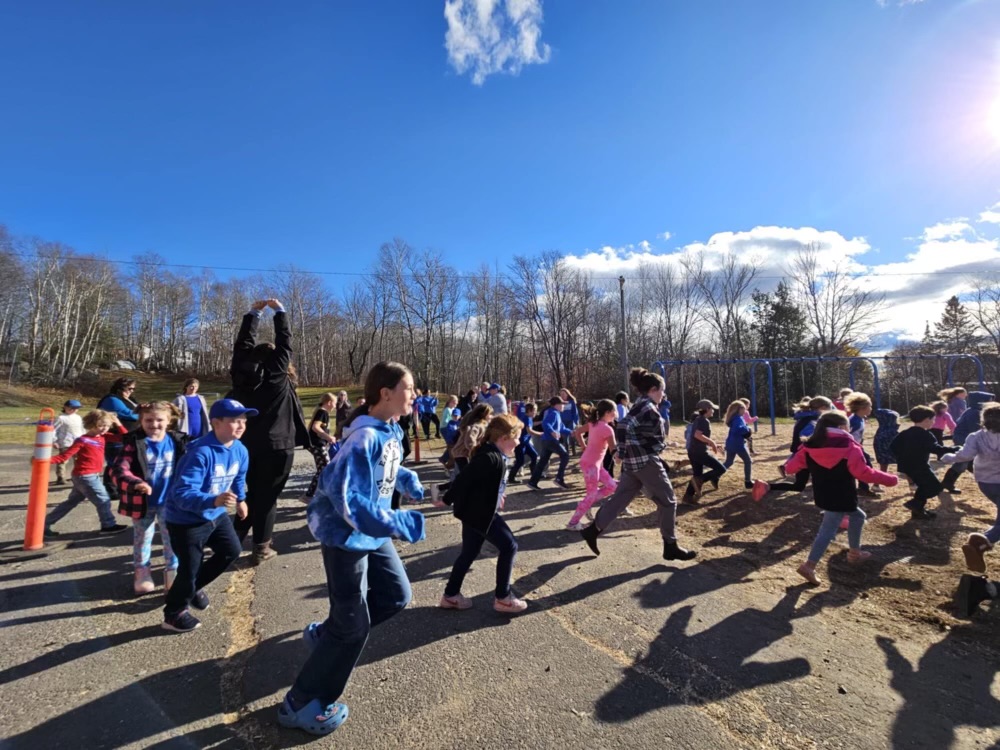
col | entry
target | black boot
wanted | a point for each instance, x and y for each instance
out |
(672, 552)
(589, 534)
(972, 591)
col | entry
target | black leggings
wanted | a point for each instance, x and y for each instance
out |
(266, 477)
(501, 537)
(425, 421)
(789, 484)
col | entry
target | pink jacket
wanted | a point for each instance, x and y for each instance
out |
(944, 421)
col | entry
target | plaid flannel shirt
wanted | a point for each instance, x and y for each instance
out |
(641, 436)
(129, 470)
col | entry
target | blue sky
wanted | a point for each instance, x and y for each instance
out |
(253, 133)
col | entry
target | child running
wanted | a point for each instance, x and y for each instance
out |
(478, 496)
(983, 449)
(600, 439)
(888, 428)
(840, 403)
(859, 407)
(968, 423)
(697, 449)
(736, 440)
(809, 412)
(210, 483)
(942, 421)
(750, 421)
(143, 471)
(913, 448)
(88, 471)
(471, 430)
(526, 413)
(68, 427)
(956, 400)
(554, 433)
(834, 459)
(320, 440)
(351, 518)
(641, 439)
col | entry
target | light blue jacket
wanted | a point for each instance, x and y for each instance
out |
(206, 470)
(352, 508)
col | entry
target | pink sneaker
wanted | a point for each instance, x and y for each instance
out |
(845, 522)
(143, 581)
(760, 488)
(855, 556)
(455, 602)
(510, 606)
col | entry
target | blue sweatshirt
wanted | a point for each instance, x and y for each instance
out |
(352, 508)
(529, 424)
(738, 433)
(969, 421)
(206, 470)
(570, 415)
(664, 409)
(450, 432)
(552, 423)
(856, 425)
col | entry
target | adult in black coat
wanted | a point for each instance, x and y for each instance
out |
(263, 379)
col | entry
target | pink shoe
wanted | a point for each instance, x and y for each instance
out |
(455, 602)
(808, 571)
(855, 556)
(510, 606)
(845, 522)
(143, 581)
(760, 488)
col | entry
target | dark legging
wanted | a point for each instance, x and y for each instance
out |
(927, 485)
(266, 477)
(523, 451)
(790, 484)
(501, 537)
(425, 421)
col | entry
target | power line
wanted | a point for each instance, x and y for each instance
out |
(369, 274)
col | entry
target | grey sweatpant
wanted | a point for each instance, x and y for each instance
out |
(653, 478)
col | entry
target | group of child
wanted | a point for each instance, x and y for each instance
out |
(188, 490)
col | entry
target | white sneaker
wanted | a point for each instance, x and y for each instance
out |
(455, 602)
(578, 526)
(143, 581)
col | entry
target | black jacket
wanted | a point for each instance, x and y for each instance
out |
(474, 493)
(265, 386)
(913, 448)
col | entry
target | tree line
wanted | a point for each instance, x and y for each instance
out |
(536, 324)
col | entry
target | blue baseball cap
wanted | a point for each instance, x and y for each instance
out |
(73, 404)
(494, 385)
(230, 407)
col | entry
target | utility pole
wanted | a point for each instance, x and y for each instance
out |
(621, 293)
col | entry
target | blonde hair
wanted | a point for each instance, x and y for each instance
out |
(500, 427)
(746, 401)
(94, 420)
(733, 409)
(949, 393)
(846, 392)
(856, 401)
(327, 398)
(820, 402)
(939, 406)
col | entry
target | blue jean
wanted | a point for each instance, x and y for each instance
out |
(744, 455)
(193, 573)
(501, 537)
(365, 589)
(550, 446)
(523, 451)
(992, 491)
(143, 530)
(828, 530)
(87, 487)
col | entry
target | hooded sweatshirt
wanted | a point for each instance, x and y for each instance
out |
(207, 469)
(739, 431)
(983, 449)
(805, 424)
(888, 428)
(969, 421)
(352, 508)
(834, 468)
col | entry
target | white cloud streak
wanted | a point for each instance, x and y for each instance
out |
(485, 37)
(990, 215)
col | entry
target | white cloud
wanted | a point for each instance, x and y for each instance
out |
(494, 36)
(946, 260)
(664, 236)
(900, 3)
(947, 230)
(990, 215)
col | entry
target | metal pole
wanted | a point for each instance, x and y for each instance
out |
(621, 293)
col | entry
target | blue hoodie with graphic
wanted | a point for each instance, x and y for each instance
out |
(888, 428)
(969, 421)
(352, 507)
(206, 470)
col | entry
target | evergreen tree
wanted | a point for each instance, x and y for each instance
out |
(778, 325)
(955, 333)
